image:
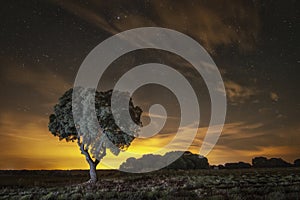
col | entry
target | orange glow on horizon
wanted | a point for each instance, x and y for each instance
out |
(35, 148)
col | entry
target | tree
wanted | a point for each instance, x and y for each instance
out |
(259, 162)
(187, 160)
(239, 165)
(262, 162)
(93, 139)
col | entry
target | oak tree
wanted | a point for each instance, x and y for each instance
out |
(92, 138)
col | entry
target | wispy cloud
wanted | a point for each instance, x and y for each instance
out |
(244, 140)
(25, 137)
(237, 93)
(274, 96)
(209, 24)
(41, 80)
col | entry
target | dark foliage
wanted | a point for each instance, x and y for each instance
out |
(188, 160)
(262, 162)
(62, 125)
(239, 165)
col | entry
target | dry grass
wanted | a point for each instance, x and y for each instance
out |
(166, 184)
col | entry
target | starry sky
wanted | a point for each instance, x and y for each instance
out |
(255, 45)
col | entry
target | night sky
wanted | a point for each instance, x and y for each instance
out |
(255, 45)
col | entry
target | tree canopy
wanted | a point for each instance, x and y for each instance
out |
(62, 124)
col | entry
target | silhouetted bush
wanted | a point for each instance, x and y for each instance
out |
(187, 160)
(239, 165)
(262, 162)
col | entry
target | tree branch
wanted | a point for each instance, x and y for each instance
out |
(96, 162)
(84, 151)
(88, 156)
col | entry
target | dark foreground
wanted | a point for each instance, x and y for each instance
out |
(194, 184)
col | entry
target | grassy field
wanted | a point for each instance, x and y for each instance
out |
(167, 184)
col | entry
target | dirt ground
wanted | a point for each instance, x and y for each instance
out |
(166, 184)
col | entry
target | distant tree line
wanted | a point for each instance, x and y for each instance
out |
(189, 160)
(262, 162)
(259, 162)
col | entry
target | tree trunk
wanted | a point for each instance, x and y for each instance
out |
(93, 164)
(93, 173)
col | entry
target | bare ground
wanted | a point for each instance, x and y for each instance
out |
(166, 184)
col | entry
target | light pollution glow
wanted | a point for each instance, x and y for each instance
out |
(36, 148)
